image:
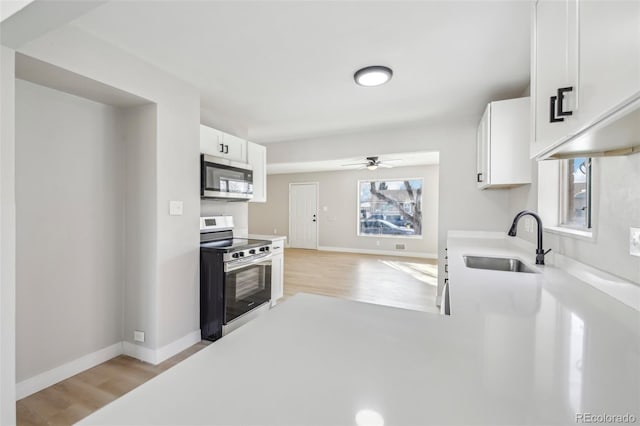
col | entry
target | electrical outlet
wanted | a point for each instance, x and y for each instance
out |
(634, 241)
(138, 336)
(275, 231)
(400, 246)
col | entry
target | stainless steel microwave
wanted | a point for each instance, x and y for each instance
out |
(224, 179)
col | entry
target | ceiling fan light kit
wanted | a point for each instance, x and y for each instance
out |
(372, 163)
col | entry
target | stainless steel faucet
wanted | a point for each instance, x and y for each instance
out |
(540, 253)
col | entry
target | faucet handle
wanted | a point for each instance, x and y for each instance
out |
(545, 253)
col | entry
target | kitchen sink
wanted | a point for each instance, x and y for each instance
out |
(497, 264)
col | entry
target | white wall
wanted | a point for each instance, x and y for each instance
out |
(139, 126)
(338, 193)
(461, 204)
(69, 228)
(177, 167)
(7, 238)
(238, 209)
(616, 208)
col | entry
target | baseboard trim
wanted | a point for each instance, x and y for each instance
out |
(177, 346)
(400, 253)
(51, 377)
(139, 352)
(55, 375)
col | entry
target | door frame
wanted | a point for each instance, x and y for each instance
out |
(317, 185)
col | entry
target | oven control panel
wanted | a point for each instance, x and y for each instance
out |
(247, 254)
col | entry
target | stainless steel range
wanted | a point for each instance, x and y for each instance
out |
(235, 277)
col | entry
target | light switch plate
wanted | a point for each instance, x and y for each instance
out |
(634, 241)
(175, 208)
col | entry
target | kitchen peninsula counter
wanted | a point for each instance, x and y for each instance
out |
(555, 351)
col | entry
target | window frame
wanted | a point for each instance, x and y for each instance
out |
(564, 192)
(401, 179)
(549, 199)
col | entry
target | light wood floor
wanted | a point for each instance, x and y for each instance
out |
(394, 281)
(73, 399)
(402, 282)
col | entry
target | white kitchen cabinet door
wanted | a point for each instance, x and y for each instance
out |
(277, 273)
(554, 66)
(609, 56)
(482, 155)
(257, 158)
(234, 148)
(211, 141)
(593, 47)
(503, 144)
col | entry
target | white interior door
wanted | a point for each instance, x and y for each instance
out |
(303, 215)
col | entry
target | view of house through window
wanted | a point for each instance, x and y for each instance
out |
(390, 207)
(576, 193)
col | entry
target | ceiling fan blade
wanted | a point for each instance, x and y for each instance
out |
(386, 166)
(389, 160)
(355, 164)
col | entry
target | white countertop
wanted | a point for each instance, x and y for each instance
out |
(540, 355)
(267, 237)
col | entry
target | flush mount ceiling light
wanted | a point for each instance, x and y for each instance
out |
(373, 76)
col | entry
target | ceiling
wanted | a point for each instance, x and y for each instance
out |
(275, 71)
(402, 159)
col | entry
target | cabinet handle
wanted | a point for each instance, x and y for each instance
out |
(276, 248)
(561, 92)
(479, 177)
(446, 268)
(552, 110)
(222, 148)
(556, 103)
(226, 149)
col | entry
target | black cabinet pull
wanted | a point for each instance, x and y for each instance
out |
(226, 149)
(222, 148)
(479, 177)
(552, 110)
(556, 105)
(561, 92)
(446, 268)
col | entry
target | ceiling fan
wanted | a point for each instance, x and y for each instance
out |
(373, 163)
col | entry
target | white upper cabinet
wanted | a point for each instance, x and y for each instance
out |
(210, 140)
(609, 56)
(555, 67)
(234, 148)
(220, 144)
(257, 158)
(503, 144)
(585, 73)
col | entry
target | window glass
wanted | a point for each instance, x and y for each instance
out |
(390, 207)
(576, 193)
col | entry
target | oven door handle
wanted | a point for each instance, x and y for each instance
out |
(235, 266)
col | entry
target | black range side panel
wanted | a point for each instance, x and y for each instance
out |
(211, 295)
